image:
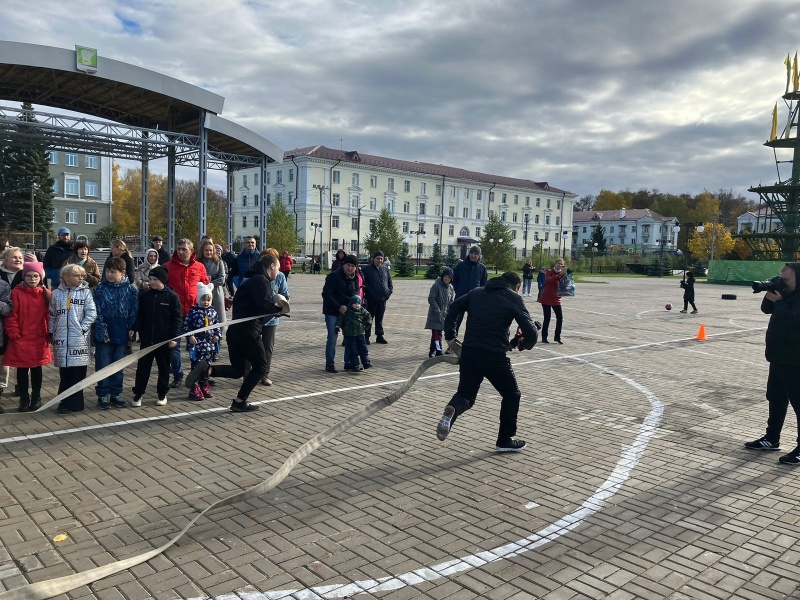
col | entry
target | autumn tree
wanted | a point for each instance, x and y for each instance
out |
(608, 200)
(700, 242)
(281, 232)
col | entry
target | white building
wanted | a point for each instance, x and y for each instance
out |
(637, 230)
(82, 198)
(344, 192)
(760, 221)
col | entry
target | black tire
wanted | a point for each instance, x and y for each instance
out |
(729, 296)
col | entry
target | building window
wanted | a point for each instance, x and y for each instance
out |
(504, 198)
(536, 219)
(244, 199)
(406, 206)
(269, 177)
(373, 181)
(451, 230)
(391, 184)
(546, 236)
(371, 224)
(334, 244)
(491, 214)
(90, 188)
(336, 222)
(453, 191)
(390, 206)
(71, 216)
(354, 224)
(423, 188)
(479, 195)
(337, 200)
(244, 180)
(354, 246)
(477, 232)
(465, 212)
(291, 174)
(536, 236)
(527, 200)
(491, 196)
(478, 213)
(422, 208)
(558, 203)
(451, 211)
(373, 203)
(255, 199)
(513, 234)
(92, 162)
(584, 230)
(435, 229)
(558, 219)
(538, 202)
(547, 219)
(53, 157)
(355, 179)
(71, 160)
(279, 197)
(466, 193)
(55, 215)
(244, 221)
(291, 197)
(336, 177)
(438, 189)
(516, 198)
(269, 199)
(548, 203)
(407, 186)
(255, 179)
(278, 177)
(514, 217)
(255, 221)
(406, 228)
(438, 210)
(503, 216)
(71, 186)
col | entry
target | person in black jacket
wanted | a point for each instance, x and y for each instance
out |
(56, 255)
(782, 350)
(340, 286)
(254, 298)
(159, 318)
(490, 310)
(157, 244)
(377, 290)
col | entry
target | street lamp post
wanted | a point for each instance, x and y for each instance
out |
(564, 237)
(594, 251)
(321, 189)
(419, 232)
(676, 229)
(525, 236)
(358, 232)
(494, 250)
(316, 227)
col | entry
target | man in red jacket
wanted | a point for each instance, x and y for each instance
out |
(185, 272)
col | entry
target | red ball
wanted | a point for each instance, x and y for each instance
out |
(668, 306)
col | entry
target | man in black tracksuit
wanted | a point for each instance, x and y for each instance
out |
(377, 289)
(782, 350)
(253, 298)
(490, 310)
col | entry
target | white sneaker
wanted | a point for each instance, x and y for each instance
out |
(136, 402)
(161, 401)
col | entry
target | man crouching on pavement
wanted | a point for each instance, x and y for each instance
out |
(490, 311)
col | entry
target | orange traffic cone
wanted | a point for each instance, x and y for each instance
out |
(701, 334)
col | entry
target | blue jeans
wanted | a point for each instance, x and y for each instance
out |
(330, 346)
(175, 360)
(526, 285)
(104, 355)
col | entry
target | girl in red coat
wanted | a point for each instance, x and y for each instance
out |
(26, 327)
(551, 300)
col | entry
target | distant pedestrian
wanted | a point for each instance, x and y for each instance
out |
(340, 285)
(157, 243)
(527, 277)
(246, 259)
(688, 293)
(541, 278)
(56, 256)
(286, 263)
(440, 297)
(551, 301)
(378, 288)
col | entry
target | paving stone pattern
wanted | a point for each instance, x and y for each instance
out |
(698, 517)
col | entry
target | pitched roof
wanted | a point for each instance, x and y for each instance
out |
(631, 214)
(349, 156)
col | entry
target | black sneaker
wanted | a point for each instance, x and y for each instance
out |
(762, 443)
(381, 340)
(368, 365)
(443, 428)
(793, 458)
(242, 406)
(118, 402)
(197, 373)
(510, 446)
(367, 340)
(63, 410)
(331, 369)
(176, 381)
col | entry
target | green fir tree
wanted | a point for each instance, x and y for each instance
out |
(435, 264)
(599, 238)
(23, 166)
(385, 236)
(403, 265)
(496, 248)
(451, 260)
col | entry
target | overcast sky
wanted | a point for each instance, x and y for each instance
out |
(584, 94)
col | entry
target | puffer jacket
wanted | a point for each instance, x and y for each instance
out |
(197, 318)
(377, 283)
(354, 322)
(782, 342)
(117, 306)
(72, 312)
(26, 328)
(183, 279)
(439, 299)
(468, 275)
(141, 277)
(5, 310)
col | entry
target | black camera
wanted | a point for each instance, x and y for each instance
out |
(776, 284)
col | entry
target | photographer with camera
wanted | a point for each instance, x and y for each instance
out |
(782, 350)
(490, 310)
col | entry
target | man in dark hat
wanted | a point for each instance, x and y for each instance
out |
(377, 289)
(470, 273)
(56, 255)
(157, 243)
(340, 285)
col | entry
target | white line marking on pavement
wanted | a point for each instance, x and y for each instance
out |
(629, 458)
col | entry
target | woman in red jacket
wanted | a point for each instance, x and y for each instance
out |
(26, 326)
(286, 263)
(551, 300)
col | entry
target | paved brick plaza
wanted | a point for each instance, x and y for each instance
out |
(634, 483)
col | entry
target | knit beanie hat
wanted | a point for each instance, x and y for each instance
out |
(350, 259)
(447, 271)
(475, 250)
(377, 254)
(160, 273)
(204, 290)
(36, 267)
(355, 300)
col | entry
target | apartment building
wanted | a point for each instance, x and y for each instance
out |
(637, 230)
(344, 191)
(82, 188)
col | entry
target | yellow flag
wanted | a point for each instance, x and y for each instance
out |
(795, 75)
(788, 63)
(774, 132)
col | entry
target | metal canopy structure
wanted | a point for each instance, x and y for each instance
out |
(138, 114)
